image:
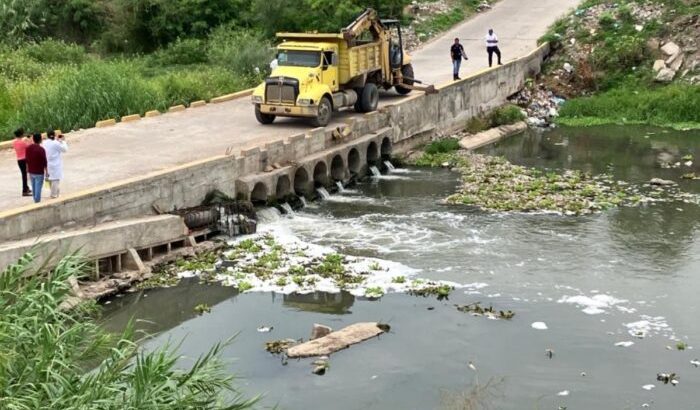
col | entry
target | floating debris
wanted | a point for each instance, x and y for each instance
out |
(265, 329)
(648, 386)
(433, 289)
(471, 365)
(681, 345)
(626, 343)
(320, 366)
(279, 346)
(563, 393)
(477, 310)
(667, 378)
(539, 326)
(695, 362)
(338, 340)
(549, 353)
(202, 308)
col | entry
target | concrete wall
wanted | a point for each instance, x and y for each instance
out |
(410, 121)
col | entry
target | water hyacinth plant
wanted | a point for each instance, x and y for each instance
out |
(54, 358)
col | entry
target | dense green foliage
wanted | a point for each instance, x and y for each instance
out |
(673, 105)
(53, 358)
(505, 115)
(619, 68)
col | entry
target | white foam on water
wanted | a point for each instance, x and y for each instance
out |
(648, 386)
(563, 393)
(390, 177)
(539, 326)
(592, 305)
(649, 325)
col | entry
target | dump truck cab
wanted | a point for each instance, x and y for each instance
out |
(306, 73)
(318, 73)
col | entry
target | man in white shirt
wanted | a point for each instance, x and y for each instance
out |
(492, 47)
(55, 148)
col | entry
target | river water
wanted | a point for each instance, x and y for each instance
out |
(629, 275)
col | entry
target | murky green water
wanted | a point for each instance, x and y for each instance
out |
(587, 278)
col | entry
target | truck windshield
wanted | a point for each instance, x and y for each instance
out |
(299, 58)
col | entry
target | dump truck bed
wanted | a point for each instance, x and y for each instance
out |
(353, 61)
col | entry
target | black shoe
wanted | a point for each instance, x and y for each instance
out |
(499, 63)
(26, 194)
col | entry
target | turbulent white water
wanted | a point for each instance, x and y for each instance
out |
(375, 171)
(340, 186)
(389, 166)
(323, 193)
(287, 208)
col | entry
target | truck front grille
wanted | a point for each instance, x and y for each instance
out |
(281, 90)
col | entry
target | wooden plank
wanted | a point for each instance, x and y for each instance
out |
(342, 339)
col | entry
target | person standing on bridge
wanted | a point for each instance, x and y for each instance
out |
(36, 166)
(457, 53)
(20, 145)
(55, 148)
(492, 46)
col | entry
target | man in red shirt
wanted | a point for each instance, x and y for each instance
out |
(20, 145)
(36, 166)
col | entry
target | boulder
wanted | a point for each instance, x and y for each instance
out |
(665, 75)
(677, 62)
(319, 331)
(670, 48)
(659, 65)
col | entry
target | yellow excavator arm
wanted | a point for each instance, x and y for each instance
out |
(365, 21)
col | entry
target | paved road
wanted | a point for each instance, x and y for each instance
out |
(99, 156)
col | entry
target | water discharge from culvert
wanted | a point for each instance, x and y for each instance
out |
(389, 166)
(267, 215)
(303, 201)
(375, 171)
(287, 208)
(323, 193)
(340, 186)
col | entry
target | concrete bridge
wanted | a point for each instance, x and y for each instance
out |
(289, 160)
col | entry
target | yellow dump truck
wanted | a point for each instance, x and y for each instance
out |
(318, 73)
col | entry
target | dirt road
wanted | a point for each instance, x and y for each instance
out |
(99, 156)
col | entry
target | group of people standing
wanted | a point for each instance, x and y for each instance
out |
(457, 53)
(40, 160)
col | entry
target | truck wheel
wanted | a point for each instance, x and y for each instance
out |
(325, 112)
(262, 117)
(369, 99)
(406, 71)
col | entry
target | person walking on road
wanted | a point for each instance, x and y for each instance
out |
(492, 47)
(55, 147)
(457, 53)
(20, 145)
(36, 166)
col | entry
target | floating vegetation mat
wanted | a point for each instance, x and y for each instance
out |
(265, 263)
(494, 184)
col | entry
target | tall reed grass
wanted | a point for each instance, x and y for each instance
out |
(52, 358)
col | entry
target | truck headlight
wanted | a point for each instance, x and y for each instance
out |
(257, 99)
(305, 101)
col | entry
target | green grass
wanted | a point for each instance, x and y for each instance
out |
(442, 146)
(675, 106)
(53, 358)
(505, 115)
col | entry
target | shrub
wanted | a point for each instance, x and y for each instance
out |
(188, 51)
(202, 84)
(16, 66)
(53, 358)
(243, 52)
(507, 114)
(55, 52)
(442, 146)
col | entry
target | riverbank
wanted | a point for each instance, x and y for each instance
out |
(629, 62)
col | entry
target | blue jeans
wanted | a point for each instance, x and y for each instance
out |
(455, 67)
(37, 181)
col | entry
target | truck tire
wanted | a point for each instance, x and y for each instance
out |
(406, 71)
(369, 98)
(325, 112)
(262, 117)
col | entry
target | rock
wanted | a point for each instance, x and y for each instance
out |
(653, 44)
(665, 75)
(661, 182)
(676, 62)
(659, 65)
(670, 48)
(553, 112)
(338, 340)
(319, 331)
(638, 27)
(568, 68)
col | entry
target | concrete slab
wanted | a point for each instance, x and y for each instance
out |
(98, 241)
